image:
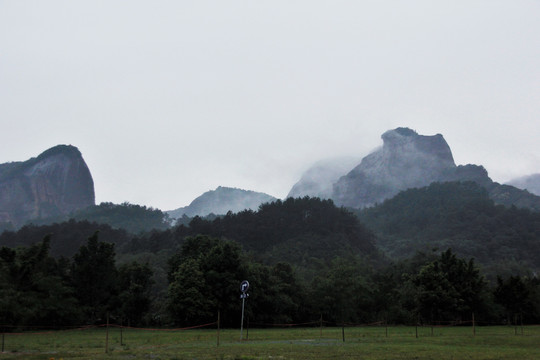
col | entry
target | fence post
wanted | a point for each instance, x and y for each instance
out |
(343, 332)
(473, 326)
(107, 336)
(3, 341)
(320, 325)
(218, 319)
(121, 332)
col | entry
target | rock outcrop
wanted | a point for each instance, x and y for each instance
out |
(221, 201)
(409, 160)
(57, 182)
(406, 160)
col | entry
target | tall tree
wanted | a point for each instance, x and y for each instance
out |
(217, 267)
(134, 282)
(94, 277)
(33, 289)
(519, 297)
(450, 288)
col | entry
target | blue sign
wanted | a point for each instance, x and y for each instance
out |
(244, 286)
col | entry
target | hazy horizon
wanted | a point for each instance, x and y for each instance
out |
(167, 100)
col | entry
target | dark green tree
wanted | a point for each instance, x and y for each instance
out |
(217, 267)
(134, 284)
(450, 288)
(94, 276)
(343, 293)
(33, 289)
(519, 297)
(189, 301)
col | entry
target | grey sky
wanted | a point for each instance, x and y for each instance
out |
(169, 99)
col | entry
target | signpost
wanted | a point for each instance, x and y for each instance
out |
(244, 286)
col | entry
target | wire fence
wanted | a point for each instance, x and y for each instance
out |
(104, 337)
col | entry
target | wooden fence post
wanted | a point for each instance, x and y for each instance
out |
(473, 326)
(107, 336)
(218, 320)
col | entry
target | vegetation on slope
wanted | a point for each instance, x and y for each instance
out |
(184, 275)
(504, 240)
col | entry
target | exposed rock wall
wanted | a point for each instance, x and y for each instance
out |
(57, 182)
(406, 160)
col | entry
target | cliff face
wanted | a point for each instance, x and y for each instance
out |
(406, 160)
(57, 182)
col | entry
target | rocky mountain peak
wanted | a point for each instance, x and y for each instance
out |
(56, 182)
(404, 141)
(405, 160)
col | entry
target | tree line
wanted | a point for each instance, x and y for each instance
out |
(37, 289)
(204, 276)
(305, 258)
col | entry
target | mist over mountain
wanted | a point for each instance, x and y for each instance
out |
(319, 179)
(406, 160)
(222, 200)
(56, 182)
(531, 183)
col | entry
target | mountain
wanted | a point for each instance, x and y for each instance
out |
(531, 183)
(221, 201)
(319, 179)
(56, 182)
(409, 160)
(406, 160)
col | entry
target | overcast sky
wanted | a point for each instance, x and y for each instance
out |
(169, 99)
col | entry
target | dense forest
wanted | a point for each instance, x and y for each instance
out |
(429, 255)
(132, 218)
(457, 215)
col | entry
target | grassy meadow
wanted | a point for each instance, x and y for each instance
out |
(497, 342)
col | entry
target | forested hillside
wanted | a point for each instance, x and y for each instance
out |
(304, 258)
(461, 216)
(65, 238)
(133, 218)
(294, 230)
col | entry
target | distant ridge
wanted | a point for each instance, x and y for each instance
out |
(222, 200)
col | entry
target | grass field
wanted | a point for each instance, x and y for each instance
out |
(290, 343)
